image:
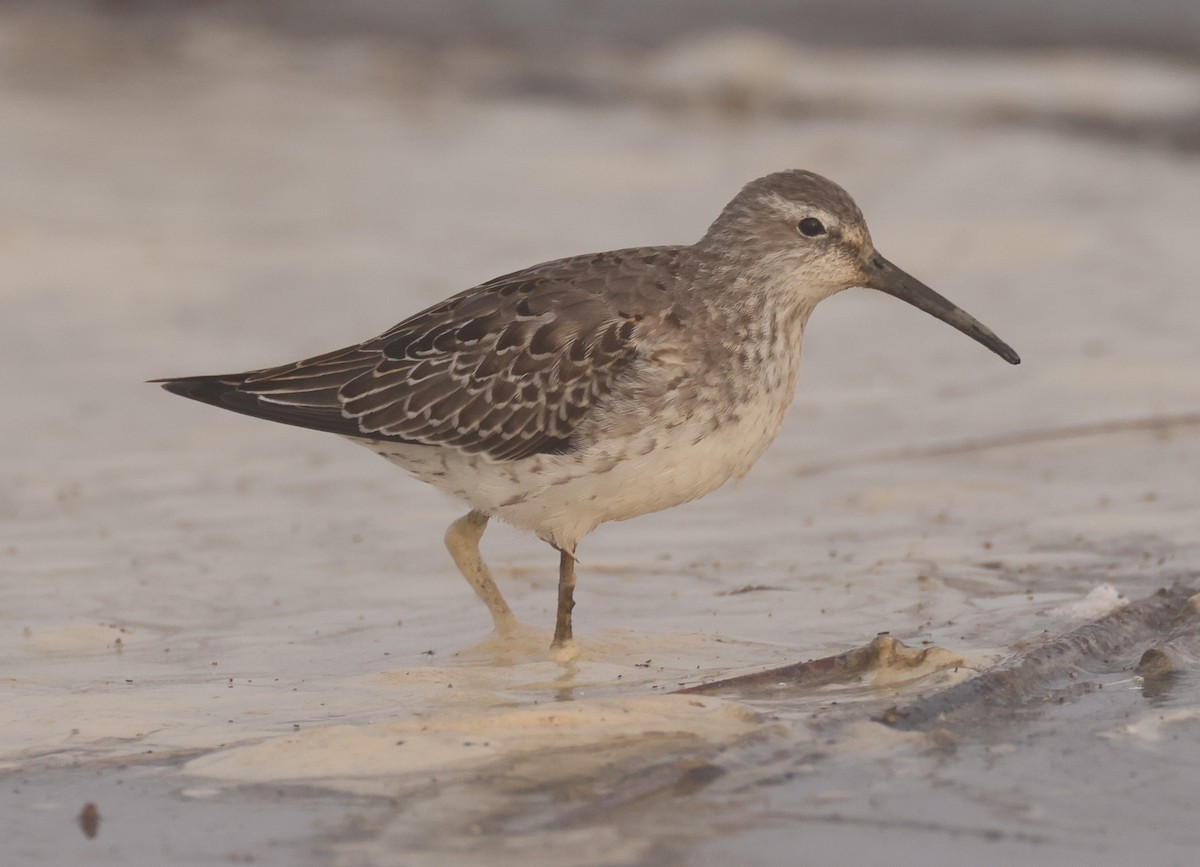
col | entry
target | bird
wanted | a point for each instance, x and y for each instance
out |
(597, 387)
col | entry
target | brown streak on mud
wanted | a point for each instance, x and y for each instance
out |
(883, 652)
(1159, 425)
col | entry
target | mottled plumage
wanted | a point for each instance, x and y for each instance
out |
(597, 387)
(507, 369)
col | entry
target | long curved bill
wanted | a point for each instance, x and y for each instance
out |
(883, 275)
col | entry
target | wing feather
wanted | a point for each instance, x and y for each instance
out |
(507, 369)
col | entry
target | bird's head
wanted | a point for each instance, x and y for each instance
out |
(802, 232)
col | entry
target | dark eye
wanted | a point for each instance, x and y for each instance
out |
(810, 227)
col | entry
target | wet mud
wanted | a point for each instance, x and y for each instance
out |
(949, 618)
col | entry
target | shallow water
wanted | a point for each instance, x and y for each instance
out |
(245, 642)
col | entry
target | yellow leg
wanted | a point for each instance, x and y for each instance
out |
(462, 540)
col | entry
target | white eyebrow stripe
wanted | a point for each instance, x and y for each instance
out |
(794, 211)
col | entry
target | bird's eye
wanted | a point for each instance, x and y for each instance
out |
(810, 227)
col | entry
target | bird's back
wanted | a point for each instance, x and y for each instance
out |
(507, 369)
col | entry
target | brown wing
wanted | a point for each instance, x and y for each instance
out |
(508, 369)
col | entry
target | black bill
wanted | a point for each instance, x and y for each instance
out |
(883, 275)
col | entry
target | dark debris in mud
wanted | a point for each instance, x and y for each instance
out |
(1160, 630)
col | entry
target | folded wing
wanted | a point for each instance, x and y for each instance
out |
(508, 369)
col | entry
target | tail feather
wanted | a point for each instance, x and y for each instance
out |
(226, 392)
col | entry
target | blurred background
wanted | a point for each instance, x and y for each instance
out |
(201, 187)
(165, 159)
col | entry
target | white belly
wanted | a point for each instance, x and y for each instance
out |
(654, 465)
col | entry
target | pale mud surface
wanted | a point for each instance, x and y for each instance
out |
(244, 643)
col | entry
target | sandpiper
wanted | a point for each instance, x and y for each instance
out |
(599, 387)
